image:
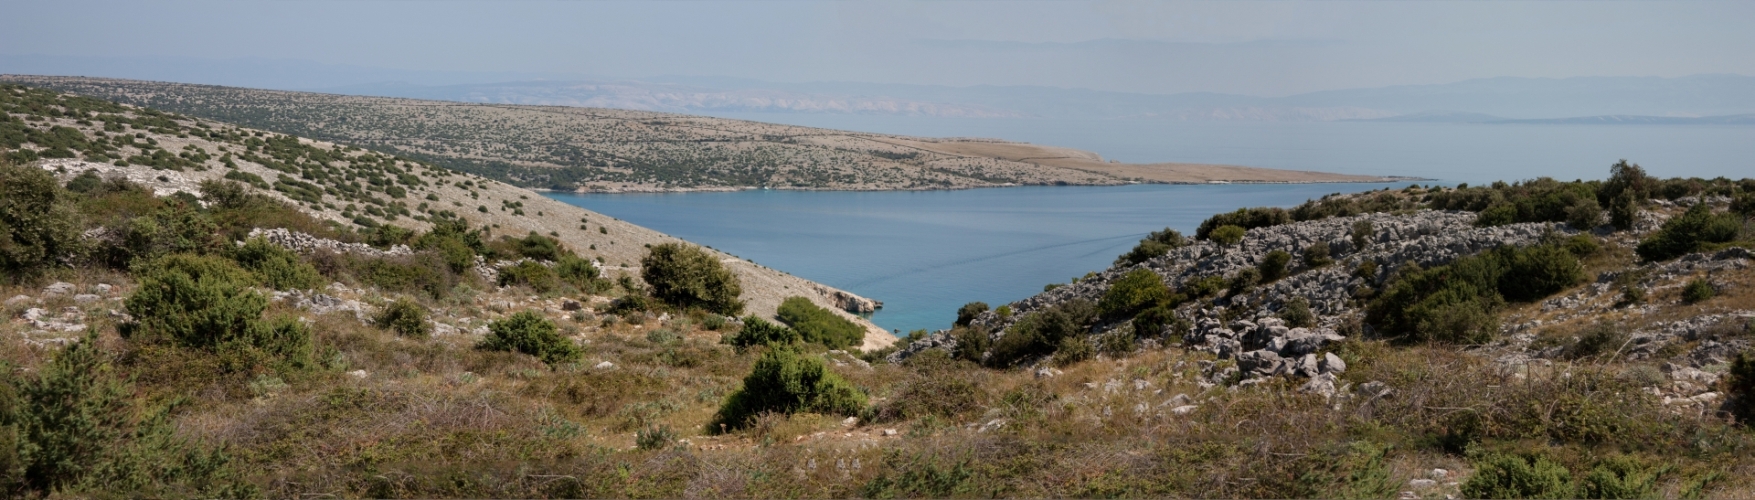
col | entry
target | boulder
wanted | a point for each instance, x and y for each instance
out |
(1259, 362)
(58, 288)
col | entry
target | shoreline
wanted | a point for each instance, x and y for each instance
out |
(728, 189)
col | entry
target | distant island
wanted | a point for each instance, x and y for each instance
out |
(567, 148)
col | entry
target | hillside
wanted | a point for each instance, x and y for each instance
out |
(594, 149)
(1542, 339)
(346, 187)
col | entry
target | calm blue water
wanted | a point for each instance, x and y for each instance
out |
(925, 253)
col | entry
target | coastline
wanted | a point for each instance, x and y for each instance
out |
(726, 189)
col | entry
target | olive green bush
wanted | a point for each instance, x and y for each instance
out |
(1243, 218)
(1697, 291)
(529, 273)
(686, 276)
(38, 228)
(1458, 302)
(1227, 235)
(1041, 333)
(1619, 476)
(818, 325)
(1132, 292)
(1362, 233)
(275, 266)
(1154, 245)
(968, 312)
(1297, 313)
(1273, 265)
(530, 333)
(1516, 476)
(580, 274)
(1741, 385)
(1694, 231)
(784, 381)
(405, 317)
(1585, 214)
(195, 301)
(1317, 255)
(757, 331)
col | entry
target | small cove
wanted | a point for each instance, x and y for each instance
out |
(926, 253)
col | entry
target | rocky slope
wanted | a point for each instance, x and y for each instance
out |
(349, 186)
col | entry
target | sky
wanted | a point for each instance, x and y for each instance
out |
(1159, 47)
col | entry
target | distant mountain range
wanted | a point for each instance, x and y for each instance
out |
(1720, 99)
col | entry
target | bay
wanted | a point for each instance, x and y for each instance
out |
(926, 253)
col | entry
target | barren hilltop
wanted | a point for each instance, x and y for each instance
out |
(595, 149)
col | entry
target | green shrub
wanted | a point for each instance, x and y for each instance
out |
(972, 343)
(539, 247)
(1243, 218)
(530, 333)
(1041, 333)
(579, 273)
(422, 272)
(1512, 476)
(1075, 348)
(1693, 231)
(174, 228)
(1362, 233)
(1367, 271)
(1599, 338)
(1152, 322)
(687, 276)
(818, 325)
(1227, 235)
(276, 267)
(1211, 285)
(1245, 279)
(195, 301)
(1582, 245)
(220, 194)
(1154, 245)
(71, 431)
(1741, 384)
(405, 317)
(1003, 311)
(757, 331)
(968, 312)
(1317, 255)
(1585, 214)
(1132, 292)
(940, 392)
(1273, 265)
(529, 273)
(38, 228)
(1497, 215)
(1619, 476)
(786, 382)
(1698, 290)
(1537, 272)
(283, 339)
(1297, 313)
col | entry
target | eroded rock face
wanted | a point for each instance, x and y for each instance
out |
(847, 301)
(305, 243)
(1426, 238)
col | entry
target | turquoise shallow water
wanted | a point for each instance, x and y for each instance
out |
(926, 253)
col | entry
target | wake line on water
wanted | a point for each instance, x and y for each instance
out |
(930, 268)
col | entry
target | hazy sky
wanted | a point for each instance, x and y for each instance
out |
(1259, 48)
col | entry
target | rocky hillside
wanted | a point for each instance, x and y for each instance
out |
(597, 149)
(347, 187)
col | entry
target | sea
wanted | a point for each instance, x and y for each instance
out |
(926, 253)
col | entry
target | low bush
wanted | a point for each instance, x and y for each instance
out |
(529, 273)
(968, 312)
(1582, 245)
(655, 437)
(580, 274)
(1317, 255)
(1227, 235)
(1741, 385)
(786, 382)
(405, 317)
(1153, 322)
(1602, 337)
(1243, 218)
(275, 266)
(1537, 271)
(1154, 245)
(1584, 214)
(1694, 231)
(1619, 476)
(1076, 348)
(1297, 313)
(818, 325)
(757, 331)
(1135, 291)
(1459, 302)
(1041, 333)
(1697, 291)
(972, 343)
(1362, 234)
(422, 272)
(530, 333)
(938, 393)
(1514, 476)
(687, 276)
(195, 301)
(1273, 265)
(38, 228)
